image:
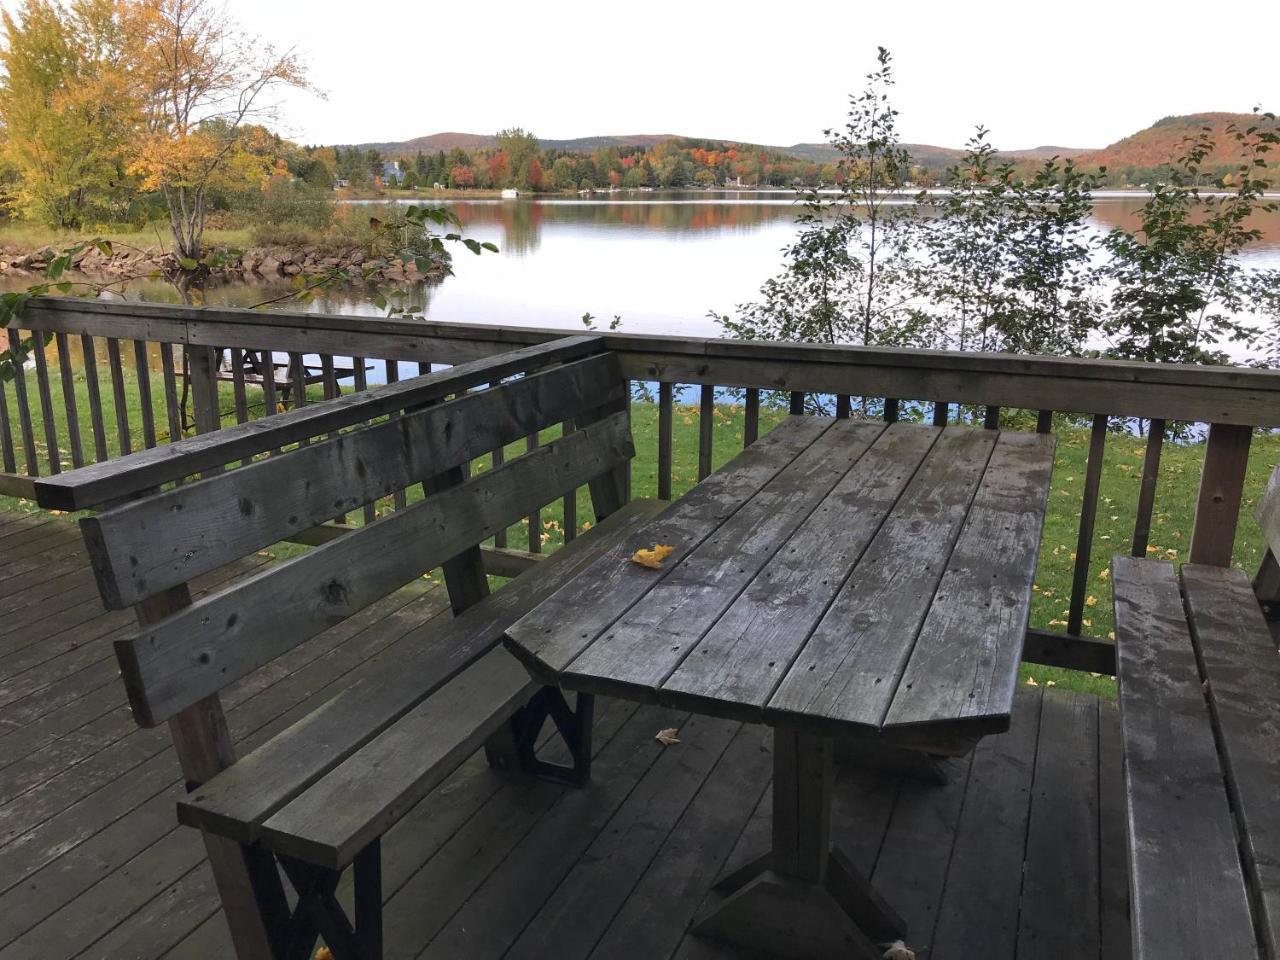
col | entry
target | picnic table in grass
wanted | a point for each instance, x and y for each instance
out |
(841, 581)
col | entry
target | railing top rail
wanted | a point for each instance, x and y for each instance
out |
(1194, 392)
(128, 476)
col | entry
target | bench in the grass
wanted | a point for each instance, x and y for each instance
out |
(316, 798)
(1199, 680)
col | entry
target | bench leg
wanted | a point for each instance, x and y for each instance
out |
(318, 913)
(515, 746)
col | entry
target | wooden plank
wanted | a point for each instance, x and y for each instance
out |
(796, 403)
(964, 666)
(1113, 874)
(534, 520)
(1237, 655)
(991, 418)
(706, 424)
(90, 356)
(890, 410)
(112, 481)
(1060, 892)
(1226, 460)
(940, 413)
(569, 507)
(361, 384)
(142, 366)
(298, 380)
(1147, 492)
(24, 408)
(751, 420)
(173, 413)
(741, 659)
(264, 781)
(978, 912)
(842, 406)
(361, 797)
(657, 635)
(1268, 512)
(69, 403)
(7, 459)
(552, 636)
(212, 643)
(1044, 421)
(665, 407)
(138, 548)
(1088, 521)
(238, 391)
(1071, 653)
(498, 457)
(119, 398)
(1185, 878)
(46, 408)
(848, 669)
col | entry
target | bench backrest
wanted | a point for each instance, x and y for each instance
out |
(146, 549)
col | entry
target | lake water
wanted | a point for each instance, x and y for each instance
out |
(659, 261)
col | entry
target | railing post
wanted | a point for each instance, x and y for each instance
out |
(1226, 457)
(203, 364)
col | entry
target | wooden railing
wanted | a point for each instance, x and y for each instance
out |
(160, 340)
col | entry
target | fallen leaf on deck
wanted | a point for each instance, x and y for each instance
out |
(667, 737)
(898, 951)
(653, 558)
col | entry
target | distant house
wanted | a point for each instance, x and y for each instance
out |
(341, 183)
(392, 173)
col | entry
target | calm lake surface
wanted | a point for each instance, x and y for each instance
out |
(659, 261)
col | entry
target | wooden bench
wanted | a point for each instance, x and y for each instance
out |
(316, 798)
(1199, 680)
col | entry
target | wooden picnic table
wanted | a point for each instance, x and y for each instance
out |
(838, 579)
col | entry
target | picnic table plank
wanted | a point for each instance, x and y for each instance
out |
(849, 669)
(1234, 646)
(964, 666)
(1183, 845)
(549, 638)
(740, 661)
(656, 635)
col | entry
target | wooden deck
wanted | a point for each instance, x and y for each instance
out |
(1020, 855)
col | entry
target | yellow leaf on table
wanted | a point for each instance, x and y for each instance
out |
(652, 558)
(667, 737)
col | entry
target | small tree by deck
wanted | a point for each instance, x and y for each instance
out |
(202, 79)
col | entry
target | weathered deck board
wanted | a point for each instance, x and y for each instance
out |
(98, 867)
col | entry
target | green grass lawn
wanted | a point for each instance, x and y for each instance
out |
(1170, 532)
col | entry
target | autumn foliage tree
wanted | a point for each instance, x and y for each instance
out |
(201, 80)
(67, 106)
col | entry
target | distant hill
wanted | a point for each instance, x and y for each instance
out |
(1163, 141)
(475, 141)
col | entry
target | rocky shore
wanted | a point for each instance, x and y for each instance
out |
(254, 263)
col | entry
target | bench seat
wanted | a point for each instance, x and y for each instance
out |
(1199, 686)
(397, 730)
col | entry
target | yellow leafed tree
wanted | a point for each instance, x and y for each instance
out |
(67, 106)
(201, 80)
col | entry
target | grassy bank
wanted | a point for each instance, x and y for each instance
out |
(1170, 533)
(23, 235)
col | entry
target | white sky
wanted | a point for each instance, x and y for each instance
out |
(1080, 73)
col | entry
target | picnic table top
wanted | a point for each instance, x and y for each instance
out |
(844, 576)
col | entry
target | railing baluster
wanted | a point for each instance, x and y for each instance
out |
(24, 407)
(6, 433)
(238, 390)
(46, 403)
(991, 418)
(499, 457)
(393, 376)
(331, 377)
(570, 498)
(1044, 421)
(842, 406)
(666, 405)
(118, 395)
(1147, 494)
(69, 403)
(751, 423)
(271, 406)
(298, 376)
(706, 421)
(172, 412)
(890, 410)
(360, 383)
(1088, 516)
(94, 389)
(940, 410)
(535, 518)
(797, 403)
(142, 366)
(1226, 459)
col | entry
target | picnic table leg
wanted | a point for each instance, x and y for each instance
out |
(804, 898)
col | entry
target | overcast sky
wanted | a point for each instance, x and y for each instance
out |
(1080, 74)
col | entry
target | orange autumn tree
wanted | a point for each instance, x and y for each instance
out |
(202, 80)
